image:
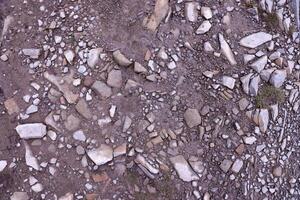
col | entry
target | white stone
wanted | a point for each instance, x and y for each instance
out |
(259, 64)
(121, 59)
(31, 109)
(226, 50)
(101, 155)
(69, 55)
(79, 135)
(228, 82)
(31, 161)
(191, 11)
(31, 131)
(183, 169)
(93, 57)
(249, 140)
(3, 164)
(204, 27)
(32, 53)
(57, 39)
(19, 196)
(206, 12)
(256, 39)
(171, 65)
(237, 165)
(192, 117)
(278, 77)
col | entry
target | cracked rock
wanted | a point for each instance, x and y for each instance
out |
(183, 169)
(101, 155)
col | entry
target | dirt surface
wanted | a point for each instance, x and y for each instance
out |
(151, 99)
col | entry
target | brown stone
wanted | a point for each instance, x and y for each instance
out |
(11, 106)
(240, 149)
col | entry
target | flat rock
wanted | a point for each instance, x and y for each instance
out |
(259, 64)
(226, 50)
(225, 165)
(204, 27)
(237, 165)
(256, 39)
(32, 53)
(31, 161)
(31, 130)
(114, 78)
(121, 59)
(101, 155)
(192, 117)
(83, 109)
(3, 164)
(183, 169)
(11, 106)
(228, 82)
(93, 57)
(19, 196)
(72, 123)
(102, 89)
(79, 135)
(278, 77)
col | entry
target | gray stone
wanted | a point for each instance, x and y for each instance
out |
(102, 89)
(30, 160)
(206, 12)
(114, 78)
(69, 55)
(183, 169)
(101, 155)
(19, 196)
(263, 120)
(266, 74)
(93, 57)
(237, 165)
(192, 117)
(142, 161)
(79, 135)
(191, 12)
(259, 64)
(253, 87)
(228, 82)
(32, 53)
(121, 59)
(278, 77)
(83, 109)
(31, 130)
(256, 39)
(3, 164)
(245, 80)
(225, 165)
(204, 27)
(138, 68)
(72, 123)
(226, 50)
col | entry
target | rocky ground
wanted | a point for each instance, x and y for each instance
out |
(151, 99)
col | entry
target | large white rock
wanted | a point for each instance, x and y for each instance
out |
(259, 64)
(204, 27)
(32, 53)
(31, 131)
(93, 57)
(101, 155)
(19, 196)
(226, 50)
(183, 169)
(31, 161)
(256, 39)
(228, 81)
(3, 164)
(253, 87)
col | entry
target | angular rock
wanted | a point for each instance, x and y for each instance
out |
(19, 196)
(226, 50)
(206, 12)
(225, 165)
(31, 130)
(142, 161)
(191, 12)
(11, 106)
(120, 150)
(256, 39)
(32, 53)
(266, 74)
(253, 87)
(31, 161)
(183, 169)
(278, 77)
(245, 80)
(83, 109)
(121, 59)
(3, 164)
(259, 64)
(93, 57)
(237, 165)
(204, 27)
(102, 89)
(101, 155)
(228, 82)
(138, 68)
(79, 135)
(114, 78)
(68, 196)
(263, 120)
(72, 123)
(192, 117)
(69, 55)
(161, 10)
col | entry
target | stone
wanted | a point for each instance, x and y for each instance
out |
(72, 123)
(243, 103)
(69, 55)
(192, 117)
(102, 89)
(259, 64)
(226, 50)
(161, 10)
(31, 109)
(245, 80)
(249, 140)
(114, 78)
(274, 111)
(228, 82)
(263, 120)
(37, 188)
(277, 171)
(120, 150)
(138, 68)
(127, 123)
(207, 47)
(253, 87)
(191, 12)
(4, 57)
(3, 164)
(93, 57)
(101, 155)
(31, 161)
(266, 74)
(204, 27)
(31, 130)
(225, 165)
(183, 169)
(67, 196)
(32, 53)
(19, 196)
(237, 165)
(79, 135)
(11, 106)
(142, 161)
(206, 12)
(83, 109)
(256, 39)
(278, 77)
(121, 59)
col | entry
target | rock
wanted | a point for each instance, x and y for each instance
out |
(266, 74)
(11, 106)
(206, 12)
(226, 50)
(206, 196)
(102, 89)
(93, 57)
(191, 12)
(138, 68)
(19, 196)
(31, 130)
(31, 109)
(63, 84)
(225, 165)
(192, 117)
(161, 10)
(31, 161)
(4, 57)
(142, 161)
(72, 123)
(121, 59)
(3, 164)
(79, 135)
(228, 82)
(277, 171)
(278, 77)
(245, 80)
(101, 155)
(127, 123)
(249, 140)
(120, 150)
(183, 169)
(131, 84)
(68, 196)
(237, 165)
(204, 27)
(274, 111)
(32, 53)
(114, 78)
(7, 22)
(83, 109)
(207, 47)
(256, 39)
(37, 188)
(259, 64)
(69, 55)
(253, 87)
(197, 166)
(171, 65)
(263, 120)
(243, 103)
